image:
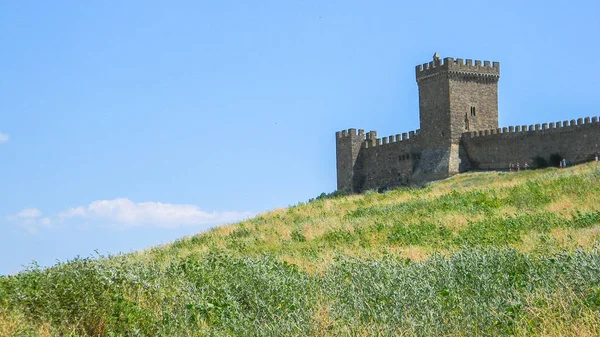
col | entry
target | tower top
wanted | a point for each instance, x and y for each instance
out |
(486, 70)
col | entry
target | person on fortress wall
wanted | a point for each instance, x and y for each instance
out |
(564, 162)
(596, 157)
(526, 166)
(518, 167)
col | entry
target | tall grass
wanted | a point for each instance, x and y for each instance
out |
(473, 292)
(480, 254)
(214, 293)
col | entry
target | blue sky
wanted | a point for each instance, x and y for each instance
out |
(126, 125)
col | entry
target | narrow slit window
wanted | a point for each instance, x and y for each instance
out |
(473, 111)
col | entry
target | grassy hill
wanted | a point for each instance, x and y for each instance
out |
(478, 254)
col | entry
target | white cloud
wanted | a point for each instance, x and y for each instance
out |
(30, 219)
(123, 212)
(29, 213)
(72, 212)
(3, 138)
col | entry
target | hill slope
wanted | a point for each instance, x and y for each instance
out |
(480, 253)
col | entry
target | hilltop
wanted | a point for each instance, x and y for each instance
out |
(482, 253)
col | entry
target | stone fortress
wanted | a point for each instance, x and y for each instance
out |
(458, 115)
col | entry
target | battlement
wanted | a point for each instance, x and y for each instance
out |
(370, 139)
(350, 133)
(479, 69)
(373, 141)
(533, 128)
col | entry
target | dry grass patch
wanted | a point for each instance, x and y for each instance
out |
(16, 325)
(225, 230)
(564, 314)
(398, 196)
(585, 237)
(562, 206)
(475, 180)
(529, 242)
(317, 229)
(458, 221)
(199, 249)
(414, 253)
(322, 320)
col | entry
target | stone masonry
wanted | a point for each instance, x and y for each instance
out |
(458, 110)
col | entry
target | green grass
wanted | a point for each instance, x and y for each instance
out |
(480, 254)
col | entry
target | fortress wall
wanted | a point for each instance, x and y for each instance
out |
(386, 161)
(575, 140)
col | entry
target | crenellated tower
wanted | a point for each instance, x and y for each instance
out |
(455, 96)
(347, 145)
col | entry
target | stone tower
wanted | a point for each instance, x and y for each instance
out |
(454, 97)
(348, 144)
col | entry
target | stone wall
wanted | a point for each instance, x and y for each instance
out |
(576, 141)
(386, 162)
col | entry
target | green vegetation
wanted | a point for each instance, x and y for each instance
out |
(483, 254)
